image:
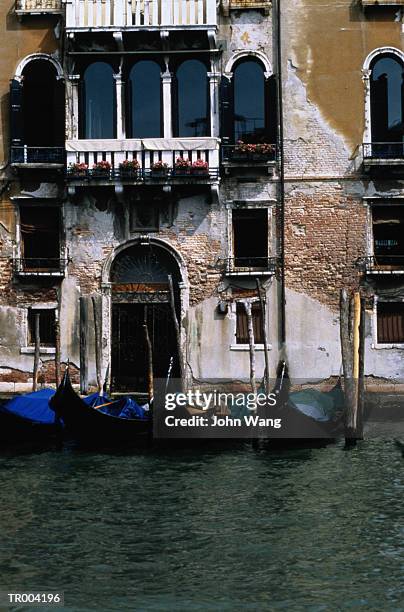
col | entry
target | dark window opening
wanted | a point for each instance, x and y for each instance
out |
(145, 100)
(192, 99)
(250, 237)
(40, 238)
(386, 95)
(249, 103)
(390, 322)
(98, 104)
(388, 235)
(242, 323)
(144, 216)
(42, 105)
(47, 333)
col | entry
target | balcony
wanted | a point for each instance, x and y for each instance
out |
(382, 264)
(248, 266)
(37, 157)
(243, 5)
(153, 161)
(383, 155)
(38, 7)
(40, 267)
(245, 156)
(370, 3)
(82, 15)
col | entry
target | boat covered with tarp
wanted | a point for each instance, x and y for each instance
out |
(28, 417)
(99, 420)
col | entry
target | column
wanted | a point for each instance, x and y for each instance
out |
(214, 103)
(166, 78)
(120, 107)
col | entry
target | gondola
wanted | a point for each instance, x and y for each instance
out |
(309, 417)
(28, 418)
(102, 424)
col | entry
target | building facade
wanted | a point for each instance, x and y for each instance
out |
(222, 145)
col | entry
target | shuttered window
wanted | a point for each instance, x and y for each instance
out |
(242, 323)
(390, 322)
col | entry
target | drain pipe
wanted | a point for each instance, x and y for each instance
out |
(281, 173)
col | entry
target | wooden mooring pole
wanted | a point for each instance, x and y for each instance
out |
(84, 308)
(177, 331)
(57, 347)
(250, 329)
(96, 300)
(264, 336)
(149, 351)
(37, 341)
(352, 331)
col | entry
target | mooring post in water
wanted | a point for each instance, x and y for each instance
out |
(149, 351)
(361, 375)
(250, 329)
(177, 330)
(57, 347)
(96, 300)
(84, 307)
(351, 348)
(37, 341)
(264, 335)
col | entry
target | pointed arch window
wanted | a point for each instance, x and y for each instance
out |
(98, 103)
(386, 101)
(145, 100)
(192, 116)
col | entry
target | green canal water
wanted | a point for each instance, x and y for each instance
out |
(201, 530)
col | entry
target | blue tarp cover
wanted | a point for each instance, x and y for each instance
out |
(125, 408)
(32, 406)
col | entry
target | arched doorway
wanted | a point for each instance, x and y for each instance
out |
(140, 295)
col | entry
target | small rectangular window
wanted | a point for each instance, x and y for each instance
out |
(250, 237)
(40, 237)
(388, 235)
(47, 335)
(242, 323)
(390, 322)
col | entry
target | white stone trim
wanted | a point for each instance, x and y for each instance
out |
(258, 55)
(375, 343)
(366, 74)
(38, 56)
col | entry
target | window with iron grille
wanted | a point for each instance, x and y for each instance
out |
(47, 335)
(390, 322)
(242, 323)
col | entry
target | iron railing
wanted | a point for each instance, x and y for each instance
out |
(249, 154)
(381, 263)
(38, 6)
(39, 266)
(37, 155)
(383, 150)
(143, 175)
(248, 265)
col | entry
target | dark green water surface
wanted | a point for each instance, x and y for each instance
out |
(199, 530)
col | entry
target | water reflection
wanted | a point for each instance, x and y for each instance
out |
(311, 529)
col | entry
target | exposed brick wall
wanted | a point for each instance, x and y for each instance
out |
(325, 233)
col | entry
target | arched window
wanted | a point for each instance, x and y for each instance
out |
(42, 105)
(145, 100)
(249, 102)
(386, 99)
(192, 99)
(99, 102)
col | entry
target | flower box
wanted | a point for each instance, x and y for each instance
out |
(200, 168)
(129, 168)
(159, 169)
(101, 169)
(182, 166)
(77, 170)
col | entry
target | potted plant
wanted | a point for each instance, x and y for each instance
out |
(250, 151)
(77, 169)
(129, 168)
(200, 167)
(101, 169)
(159, 169)
(182, 166)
